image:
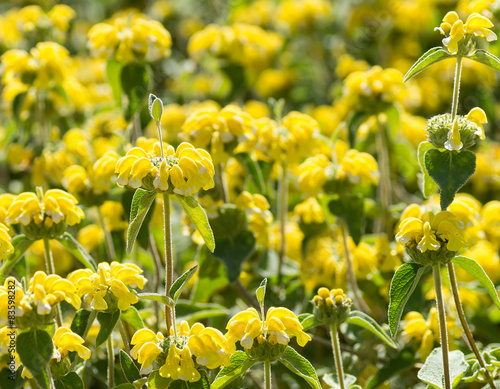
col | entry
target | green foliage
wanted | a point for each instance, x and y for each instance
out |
(157, 297)
(363, 320)
(80, 322)
(432, 372)
(431, 57)
(240, 363)
(113, 74)
(300, 366)
(254, 171)
(141, 203)
(134, 79)
(260, 293)
(332, 380)
(35, 349)
(404, 360)
(199, 218)
(429, 186)
(21, 243)
(180, 283)
(402, 286)
(130, 371)
(132, 317)
(107, 323)
(186, 310)
(156, 381)
(450, 170)
(72, 245)
(486, 58)
(69, 381)
(155, 106)
(350, 207)
(212, 275)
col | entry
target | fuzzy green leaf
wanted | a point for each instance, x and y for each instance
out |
(35, 349)
(261, 291)
(486, 58)
(363, 320)
(69, 381)
(429, 58)
(81, 321)
(134, 78)
(350, 207)
(307, 320)
(141, 203)
(107, 323)
(178, 285)
(199, 218)
(156, 381)
(132, 317)
(402, 286)
(240, 363)
(253, 169)
(157, 297)
(129, 369)
(429, 186)
(72, 245)
(300, 366)
(432, 371)
(155, 106)
(332, 380)
(476, 271)
(450, 170)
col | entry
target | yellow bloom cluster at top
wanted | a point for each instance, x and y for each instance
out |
(108, 289)
(132, 37)
(457, 32)
(331, 306)
(183, 171)
(208, 345)
(429, 231)
(243, 44)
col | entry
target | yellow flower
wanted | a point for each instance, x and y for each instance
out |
(114, 215)
(280, 324)
(6, 200)
(310, 211)
(258, 214)
(76, 179)
(65, 340)
(13, 288)
(109, 285)
(480, 26)
(183, 171)
(56, 206)
(90, 237)
(331, 306)
(313, 173)
(6, 247)
(359, 168)
(478, 117)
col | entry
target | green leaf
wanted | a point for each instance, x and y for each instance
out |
(113, 73)
(432, 56)
(403, 361)
(234, 242)
(178, 285)
(156, 381)
(429, 186)
(21, 243)
(450, 170)
(129, 369)
(332, 380)
(261, 291)
(393, 123)
(69, 381)
(402, 286)
(134, 79)
(363, 320)
(253, 169)
(72, 245)
(157, 297)
(486, 58)
(199, 218)
(212, 276)
(35, 349)
(476, 271)
(80, 321)
(107, 323)
(186, 310)
(240, 363)
(307, 320)
(432, 372)
(155, 107)
(355, 121)
(124, 386)
(141, 203)
(300, 366)
(350, 207)
(8, 381)
(132, 317)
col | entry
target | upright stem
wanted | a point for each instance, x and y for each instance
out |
(222, 183)
(156, 281)
(385, 187)
(111, 362)
(443, 332)
(169, 262)
(282, 212)
(350, 269)
(49, 264)
(123, 334)
(465, 326)
(337, 355)
(108, 240)
(267, 374)
(456, 88)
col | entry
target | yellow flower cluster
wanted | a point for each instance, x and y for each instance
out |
(218, 130)
(183, 171)
(243, 44)
(279, 325)
(331, 306)
(207, 345)
(6, 247)
(66, 341)
(429, 231)
(359, 167)
(258, 214)
(132, 37)
(456, 31)
(296, 136)
(310, 211)
(313, 174)
(55, 206)
(108, 289)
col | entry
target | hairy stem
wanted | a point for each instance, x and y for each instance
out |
(465, 326)
(443, 332)
(385, 187)
(337, 355)
(111, 362)
(49, 264)
(350, 269)
(456, 88)
(123, 334)
(267, 374)
(108, 240)
(282, 212)
(169, 262)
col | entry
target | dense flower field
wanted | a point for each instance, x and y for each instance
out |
(249, 194)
